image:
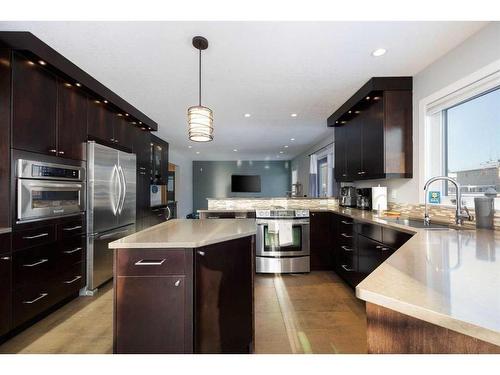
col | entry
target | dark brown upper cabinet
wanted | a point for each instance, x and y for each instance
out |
(109, 125)
(34, 103)
(49, 115)
(71, 121)
(100, 121)
(373, 131)
(123, 132)
(159, 160)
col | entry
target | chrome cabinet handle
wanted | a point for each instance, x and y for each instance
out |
(347, 248)
(41, 261)
(346, 222)
(177, 283)
(382, 248)
(73, 228)
(60, 152)
(169, 216)
(35, 236)
(345, 235)
(41, 296)
(53, 151)
(72, 280)
(344, 266)
(72, 251)
(145, 262)
(202, 253)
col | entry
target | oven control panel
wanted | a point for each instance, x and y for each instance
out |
(301, 213)
(281, 214)
(49, 171)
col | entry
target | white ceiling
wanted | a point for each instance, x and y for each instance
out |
(268, 69)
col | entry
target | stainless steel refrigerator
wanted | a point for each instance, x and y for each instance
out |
(111, 195)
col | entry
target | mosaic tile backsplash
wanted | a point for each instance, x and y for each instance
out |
(441, 214)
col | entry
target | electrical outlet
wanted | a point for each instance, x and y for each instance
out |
(394, 194)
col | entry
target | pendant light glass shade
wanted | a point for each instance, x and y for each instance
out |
(200, 124)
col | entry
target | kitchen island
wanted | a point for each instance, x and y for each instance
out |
(185, 286)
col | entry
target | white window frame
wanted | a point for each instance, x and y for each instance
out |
(462, 90)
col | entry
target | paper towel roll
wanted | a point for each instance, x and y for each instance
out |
(379, 198)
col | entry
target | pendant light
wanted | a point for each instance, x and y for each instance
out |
(200, 118)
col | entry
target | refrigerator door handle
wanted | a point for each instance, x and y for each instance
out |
(123, 188)
(115, 201)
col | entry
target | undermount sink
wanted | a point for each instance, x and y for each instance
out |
(415, 223)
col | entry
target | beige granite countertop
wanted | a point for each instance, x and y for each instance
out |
(186, 233)
(5, 230)
(448, 277)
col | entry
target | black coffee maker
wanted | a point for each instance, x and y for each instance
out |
(364, 199)
(348, 196)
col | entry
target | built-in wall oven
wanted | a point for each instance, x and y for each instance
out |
(46, 190)
(271, 257)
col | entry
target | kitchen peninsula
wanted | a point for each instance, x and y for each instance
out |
(185, 286)
(426, 290)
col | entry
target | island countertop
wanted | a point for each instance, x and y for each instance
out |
(187, 233)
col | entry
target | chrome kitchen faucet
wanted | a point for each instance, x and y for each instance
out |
(460, 214)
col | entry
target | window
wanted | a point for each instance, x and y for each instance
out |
(323, 177)
(464, 142)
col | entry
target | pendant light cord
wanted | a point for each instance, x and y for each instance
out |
(199, 84)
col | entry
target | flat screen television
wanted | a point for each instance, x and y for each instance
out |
(245, 184)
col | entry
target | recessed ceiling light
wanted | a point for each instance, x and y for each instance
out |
(281, 152)
(292, 139)
(97, 102)
(67, 84)
(379, 52)
(119, 114)
(105, 101)
(247, 115)
(293, 115)
(31, 63)
(41, 62)
(286, 146)
(190, 146)
(78, 84)
(235, 149)
(140, 122)
(197, 152)
(126, 114)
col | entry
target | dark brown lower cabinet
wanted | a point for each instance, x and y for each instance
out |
(321, 241)
(371, 254)
(360, 247)
(185, 300)
(5, 292)
(224, 297)
(151, 314)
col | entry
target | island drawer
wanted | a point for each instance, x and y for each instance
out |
(150, 262)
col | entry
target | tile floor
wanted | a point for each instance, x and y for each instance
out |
(313, 313)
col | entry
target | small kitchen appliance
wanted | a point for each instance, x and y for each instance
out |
(348, 196)
(364, 198)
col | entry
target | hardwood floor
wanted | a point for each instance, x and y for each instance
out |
(312, 313)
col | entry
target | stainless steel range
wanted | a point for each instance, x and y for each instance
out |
(273, 257)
